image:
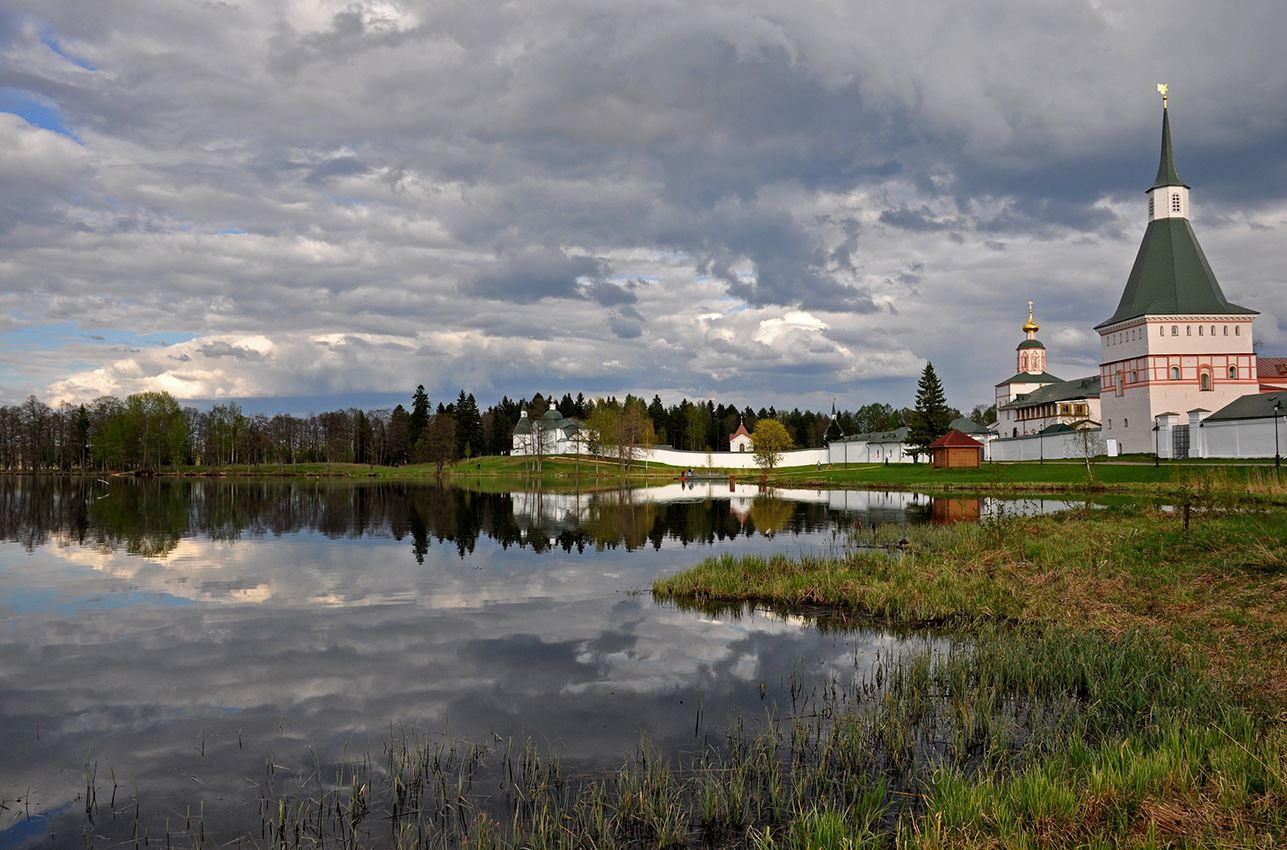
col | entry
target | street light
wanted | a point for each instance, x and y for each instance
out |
(1157, 444)
(1278, 461)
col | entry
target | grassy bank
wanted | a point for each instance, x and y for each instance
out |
(1132, 476)
(1180, 638)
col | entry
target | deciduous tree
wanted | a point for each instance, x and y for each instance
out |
(768, 441)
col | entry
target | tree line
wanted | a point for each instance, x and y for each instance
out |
(152, 431)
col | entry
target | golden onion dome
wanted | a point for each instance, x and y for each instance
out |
(1030, 327)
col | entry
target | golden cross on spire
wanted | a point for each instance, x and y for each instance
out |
(1161, 88)
(1030, 311)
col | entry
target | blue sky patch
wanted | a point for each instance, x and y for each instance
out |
(37, 110)
(50, 39)
(49, 337)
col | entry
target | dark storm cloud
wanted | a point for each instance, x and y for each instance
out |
(625, 328)
(535, 273)
(438, 189)
(344, 166)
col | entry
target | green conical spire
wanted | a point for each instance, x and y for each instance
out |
(1166, 173)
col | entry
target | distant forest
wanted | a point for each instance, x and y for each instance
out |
(152, 431)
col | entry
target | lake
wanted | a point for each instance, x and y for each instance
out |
(171, 645)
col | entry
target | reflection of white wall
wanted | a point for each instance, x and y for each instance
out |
(731, 460)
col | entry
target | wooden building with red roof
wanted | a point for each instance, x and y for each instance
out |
(955, 450)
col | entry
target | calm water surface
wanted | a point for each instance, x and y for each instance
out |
(166, 637)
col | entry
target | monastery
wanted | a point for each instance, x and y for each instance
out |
(1178, 373)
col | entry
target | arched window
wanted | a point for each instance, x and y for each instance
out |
(1121, 383)
(1204, 380)
(1175, 373)
(1161, 331)
(1199, 330)
(1233, 373)
(1175, 330)
(1226, 330)
(1188, 330)
(1237, 331)
(1213, 330)
(1135, 376)
(1126, 423)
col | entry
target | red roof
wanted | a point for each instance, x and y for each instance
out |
(1272, 372)
(955, 439)
(740, 432)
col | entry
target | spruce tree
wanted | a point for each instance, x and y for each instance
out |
(419, 418)
(931, 418)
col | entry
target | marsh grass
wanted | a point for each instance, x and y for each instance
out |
(1008, 736)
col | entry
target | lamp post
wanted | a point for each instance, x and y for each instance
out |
(1278, 460)
(1157, 444)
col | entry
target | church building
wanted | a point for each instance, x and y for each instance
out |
(1175, 346)
(1033, 400)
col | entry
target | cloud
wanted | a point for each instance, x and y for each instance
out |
(511, 197)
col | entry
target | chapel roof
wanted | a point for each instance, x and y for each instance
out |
(1030, 378)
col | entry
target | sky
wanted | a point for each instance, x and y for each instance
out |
(302, 205)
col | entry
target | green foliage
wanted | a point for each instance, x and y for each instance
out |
(768, 441)
(419, 418)
(931, 418)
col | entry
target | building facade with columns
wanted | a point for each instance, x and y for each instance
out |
(1175, 344)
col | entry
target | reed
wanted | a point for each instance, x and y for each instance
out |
(1004, 737)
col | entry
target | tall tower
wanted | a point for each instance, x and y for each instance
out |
(1175, 344)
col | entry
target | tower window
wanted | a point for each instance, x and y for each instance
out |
(1135, 376)
(1175, 330)
(1226, 330)
(1233, 373)
(1175, 202)
(1150, 206)
(1161, 331)
(1204, 381)
(1237, 331)
(1175, 373)
(1188, 330)
(1213, 330)
(1199, 330)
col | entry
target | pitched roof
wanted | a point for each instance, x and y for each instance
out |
(1253, 406)
(1171, 276)
(740, 432)
(1272, 372)
(1030, 378)
(898, 435)
(955, 439)
(965, 426)
(1088, 387)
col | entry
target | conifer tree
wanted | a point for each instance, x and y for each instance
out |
(419, 418)
(931, 418)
